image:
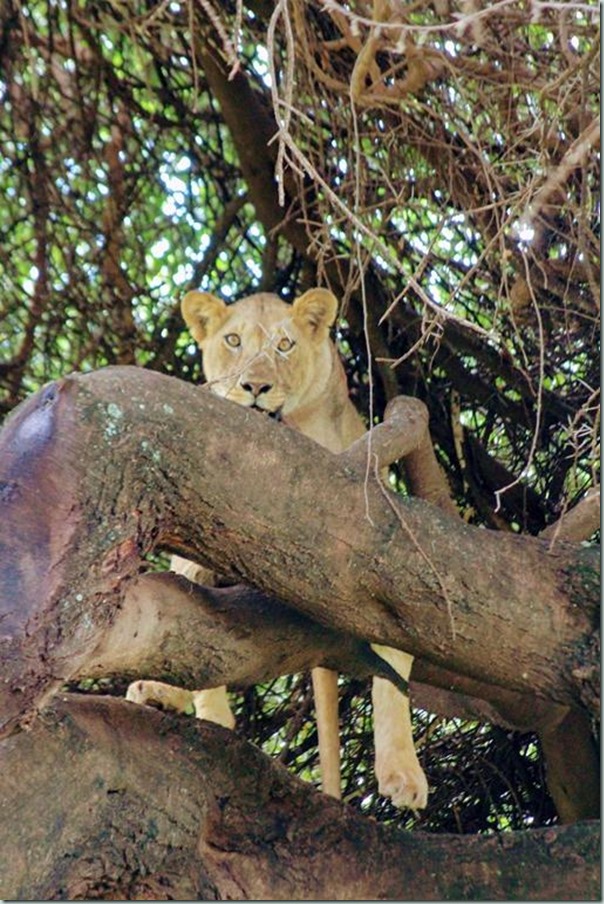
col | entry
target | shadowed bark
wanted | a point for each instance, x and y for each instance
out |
(122, 803)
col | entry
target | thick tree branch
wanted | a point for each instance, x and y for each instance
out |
(170, 629)
(97, 470)
(579, 523)
(157, 806)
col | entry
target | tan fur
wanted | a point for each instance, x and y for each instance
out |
(261, 352)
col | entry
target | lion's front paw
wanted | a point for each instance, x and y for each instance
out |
(406, 786)
(160, 695)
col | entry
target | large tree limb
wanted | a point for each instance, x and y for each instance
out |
(98, 470)
(170, 629)
(157, 806)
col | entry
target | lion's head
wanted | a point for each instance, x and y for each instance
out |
(261, 352)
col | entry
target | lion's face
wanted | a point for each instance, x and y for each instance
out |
(261, 352)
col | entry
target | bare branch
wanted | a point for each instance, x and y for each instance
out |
(579, 523)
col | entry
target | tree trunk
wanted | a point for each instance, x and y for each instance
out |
(124, 803)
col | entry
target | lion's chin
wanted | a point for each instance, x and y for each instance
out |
(275, 415)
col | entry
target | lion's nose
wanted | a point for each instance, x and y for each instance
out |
(256, 387)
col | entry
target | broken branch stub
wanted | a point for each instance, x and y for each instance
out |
(404, 434)
(403, 430)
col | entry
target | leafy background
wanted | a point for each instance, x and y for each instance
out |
(439, 172)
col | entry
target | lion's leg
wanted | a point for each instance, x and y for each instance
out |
(325, 688)
(397, 768)
(191, 570)
(213, 705)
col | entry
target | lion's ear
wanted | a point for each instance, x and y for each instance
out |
(316, 310)
(203, 313)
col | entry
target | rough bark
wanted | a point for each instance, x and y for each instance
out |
(170, 629)
(116, 802)
(123, 460)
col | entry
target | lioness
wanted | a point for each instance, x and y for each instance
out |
(265, 354)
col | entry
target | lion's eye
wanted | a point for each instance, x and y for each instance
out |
(233, 340)
(285, 344)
